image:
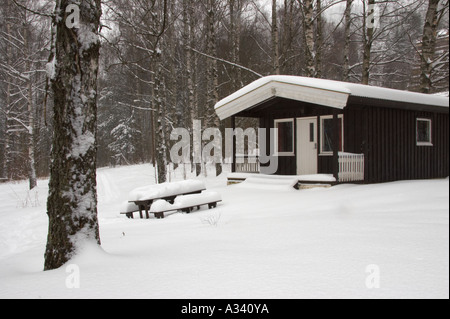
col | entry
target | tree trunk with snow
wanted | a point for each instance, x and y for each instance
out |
(72, 201)
(308, 25)
(428, 46)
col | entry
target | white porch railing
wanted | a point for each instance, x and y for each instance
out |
(351, 167)
(247, 164)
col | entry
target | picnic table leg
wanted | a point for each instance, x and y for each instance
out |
(140, 211)
(146, 212)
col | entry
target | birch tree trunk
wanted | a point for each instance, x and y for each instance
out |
(348, 22)
(319, 39)
(368, 29)
(72, 201)
(188, 39)
(193, 92)
(275, 40)
(212, 77)
(288, 39)
(7, 154)
(30, 109)
(235, 30)
(428, 46)
(161, 149)
(308, 25)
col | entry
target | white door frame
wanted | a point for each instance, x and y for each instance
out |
(307, 151)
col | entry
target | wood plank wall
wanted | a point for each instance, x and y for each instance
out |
(387, 137)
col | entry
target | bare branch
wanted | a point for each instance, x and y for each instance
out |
(225, 61)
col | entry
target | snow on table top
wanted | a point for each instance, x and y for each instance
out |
(161, 205)
(196, 199)
(128, 207)
(165, 190)
(341, 87)
(182, 201)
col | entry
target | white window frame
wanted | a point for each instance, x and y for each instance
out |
(291, 120)
(327, 117)
(430, 127)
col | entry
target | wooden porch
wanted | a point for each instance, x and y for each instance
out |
(350, 169)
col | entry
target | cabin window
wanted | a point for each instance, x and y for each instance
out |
(326, 134)
(284, 130)
(423, 132)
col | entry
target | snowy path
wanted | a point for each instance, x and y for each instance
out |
(268, 243)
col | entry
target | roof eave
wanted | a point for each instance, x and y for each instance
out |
(320, 96)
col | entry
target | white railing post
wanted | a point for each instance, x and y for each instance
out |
(351, 167)
(250, 164)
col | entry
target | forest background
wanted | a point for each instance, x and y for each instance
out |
(165, 63)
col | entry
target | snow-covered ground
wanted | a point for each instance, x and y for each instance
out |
(262, 241)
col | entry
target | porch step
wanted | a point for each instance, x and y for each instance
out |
(280, 181)
(269, 182)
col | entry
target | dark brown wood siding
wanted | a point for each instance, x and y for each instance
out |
(287, 165)
(387, 137)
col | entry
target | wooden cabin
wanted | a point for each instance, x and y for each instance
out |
(355, 132)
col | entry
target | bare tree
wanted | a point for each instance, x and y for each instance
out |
(275, 40)
(235, 7)
(307, 7)
(428, 60)
(368, 31)
(347, 35)
(141, 51)
(23, 71)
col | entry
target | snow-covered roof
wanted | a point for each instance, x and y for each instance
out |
(445, 93)
(329, 93)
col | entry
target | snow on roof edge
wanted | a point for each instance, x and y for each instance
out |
(353, 89)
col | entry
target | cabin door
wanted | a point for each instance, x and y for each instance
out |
(307, 145)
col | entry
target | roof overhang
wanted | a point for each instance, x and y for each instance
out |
(327, 93)
(260, 91)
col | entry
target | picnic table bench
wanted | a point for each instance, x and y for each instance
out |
(186, 203)
(142, 198)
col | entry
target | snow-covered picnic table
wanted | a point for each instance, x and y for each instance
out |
(186, 203)
(141, 199)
